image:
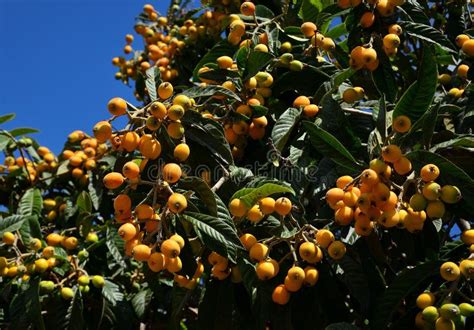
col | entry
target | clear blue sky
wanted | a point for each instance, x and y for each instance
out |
(56, 72)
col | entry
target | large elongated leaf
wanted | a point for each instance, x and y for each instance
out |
(418, 97)
(152, 81)
(7, 117)
(30, 229)
(220, 49)
(115, 246)
(215, 233)
(25, 308)
(74, 320)
(284, 126)
(31, 202)
(251, 195)
(403, 285)
(204, 192)
(200, 91)
(112, 292)
(84, 202)
(23, 131)
(330, 147)
(256, 61)
(12, 223)
(428, 34)
(140, 302)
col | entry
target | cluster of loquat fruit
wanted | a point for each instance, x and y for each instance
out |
(33, 169)
(58, 263)
(164, 40)
(460, 81)
(82, 153)
(384, 8)
(370, 199)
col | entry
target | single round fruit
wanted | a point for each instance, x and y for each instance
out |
(449, 271)
(265, 270)
(171, 172)
(117, 106)
(170, 248)
(181, 152)
(283, 206)
(281, 295)
(67, 293)
(337, 250)
(177, 203)
(113, 180)
(127, 231)
(425, 299)
(8, 238)
(141, 252)
(248, 240)
(324, 238)
(98, 281)
(258, 252)
(450, 194)
(237, 208)
(429, 172)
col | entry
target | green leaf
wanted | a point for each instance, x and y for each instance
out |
(310, 9)
(23, 131)
(115, 245)
(330, 147)
(152, 81)
(428, 34)
(342, 76)
(4, 141)
(381, 121)
(242, 57)
(7, 117)
(251, 195)
(284, 126)
(25, 308)
(84, 202)
(429, 123)
(263, 11)
(140, 302)
(465, 142)
(12, 223)
(112, 292)
(215, 234)
(204, 192)
(403, 285)
(30, 229)
(209, 134)
(31, 202)
(74, 319)
(418, 97)
(206, 91)
(222, 48)
(256, 61)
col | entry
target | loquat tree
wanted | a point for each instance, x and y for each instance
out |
(284, 165)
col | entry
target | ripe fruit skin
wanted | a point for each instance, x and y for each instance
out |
(258, 252)
(468, 47)
(429, 172)
(83, 280)
(324, 238)
(102, 131)
(237, 208)
(255, 215)
(178, 239)
(248, 240)
(267, 205)
(467, 268)
(247, 8)
(367, 19)
(41, 265)
(401, 124)
(431, 191)
(127, 231)
(391, 153)
(98, 281)
(141, 252)
(311, 275)
(308, 29)
(281, 295)
(265, 270)
(113, 180)
(283, 206)
(461, 39)
(450, 194)
(444, 324)
(468, 236)
(117, 106)
(8, 238)
(181, 152)
(337, 250)
(170, 248)
(156, 262)
(402, 166)
(449, 271)
(165, 90)
(149, 147)
(131, 170)
(177, 203)
(307, 250)
(171, 172)
(425, 299)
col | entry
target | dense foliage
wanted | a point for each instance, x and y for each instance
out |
(286, 165)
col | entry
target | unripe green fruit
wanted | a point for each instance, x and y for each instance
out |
(466, 309)
(98, 281)
(286, 58)
(84, 288)
(67, 293)
(3, 262)
(92, 238)
(430, 314)
(83, 254)
(449, 311)
(450, 194)
(418, 202)
(431, 191)
(296, 65)
(286, 47)
(83, 280)
(46, 286)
